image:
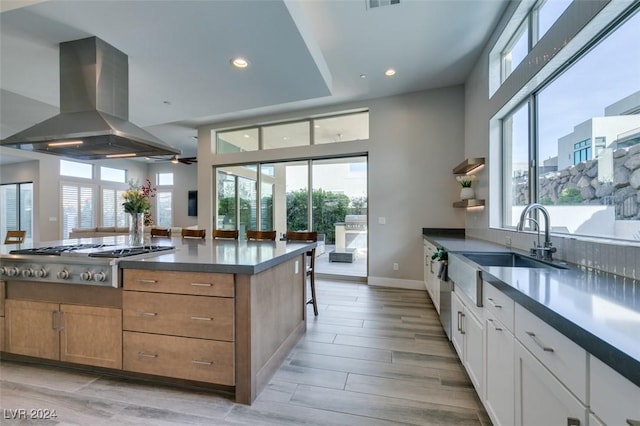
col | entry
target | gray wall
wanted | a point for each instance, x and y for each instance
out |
(184, 180)
(415, 141)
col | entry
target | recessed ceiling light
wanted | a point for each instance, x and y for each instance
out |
(246, 136)
(239, 62)
(317, 126)
(390, 72)
(363, 76)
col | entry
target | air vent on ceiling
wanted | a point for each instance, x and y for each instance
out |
(371, 4)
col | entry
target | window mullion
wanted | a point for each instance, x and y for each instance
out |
(533, 150)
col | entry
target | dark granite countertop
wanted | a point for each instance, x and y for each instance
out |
(208, 255)
(224, 256)
(596, 310)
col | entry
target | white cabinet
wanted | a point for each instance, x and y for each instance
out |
(431, 280)
(614, 399)
(467, 337)
(551, 374)
(499, 367)
(540, 398)
(564, 359)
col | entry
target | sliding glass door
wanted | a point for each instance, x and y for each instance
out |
(325, 195)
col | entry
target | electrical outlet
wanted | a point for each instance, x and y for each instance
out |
(395, 267)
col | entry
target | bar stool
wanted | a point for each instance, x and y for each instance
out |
(226, 234)
(310, 267)
(15, 237)
(161, 232)
(194, 233)
(261, 235)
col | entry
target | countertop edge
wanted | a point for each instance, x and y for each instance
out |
(150, 264)
(613, 357)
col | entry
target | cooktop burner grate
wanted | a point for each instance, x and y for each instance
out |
(130, 251)
(57, 250)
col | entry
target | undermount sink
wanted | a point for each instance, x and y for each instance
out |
(509, 259)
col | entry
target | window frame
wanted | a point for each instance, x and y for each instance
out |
(534, 88)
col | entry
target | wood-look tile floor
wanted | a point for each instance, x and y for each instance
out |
(372, 357)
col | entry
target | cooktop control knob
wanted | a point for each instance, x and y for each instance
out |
(100, 276)
(86, 276)
(27, 272)
(41, 273)
(64, 274)
(4, 271)
(13, 271)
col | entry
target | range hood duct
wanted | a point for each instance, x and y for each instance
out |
(94, 109)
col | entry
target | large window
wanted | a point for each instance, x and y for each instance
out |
(343, 127)
(76, 169)
(581, 163)
(77, 207)
(112, 210)
(163, 208)
(531, 21)
(16, 208)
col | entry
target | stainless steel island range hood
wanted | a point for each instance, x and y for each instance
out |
(94, 109)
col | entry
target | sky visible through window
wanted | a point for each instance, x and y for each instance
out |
(607, 74)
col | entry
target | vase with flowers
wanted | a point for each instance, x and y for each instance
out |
(466, 193)
(137, 202)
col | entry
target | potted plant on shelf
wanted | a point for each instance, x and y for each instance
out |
(467, 191)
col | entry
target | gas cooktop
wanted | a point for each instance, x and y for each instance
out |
(129, 251)
(57, 250)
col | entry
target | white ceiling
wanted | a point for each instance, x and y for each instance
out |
(302, 53)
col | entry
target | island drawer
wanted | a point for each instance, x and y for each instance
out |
(179, 357)
(179, 315)
(196, 283)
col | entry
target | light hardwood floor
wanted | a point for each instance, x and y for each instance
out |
(372, 357)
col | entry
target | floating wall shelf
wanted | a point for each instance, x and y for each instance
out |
(468, 165)
(469, 203)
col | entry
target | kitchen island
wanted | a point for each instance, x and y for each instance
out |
(211, 313)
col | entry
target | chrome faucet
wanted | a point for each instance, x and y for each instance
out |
(544, 252)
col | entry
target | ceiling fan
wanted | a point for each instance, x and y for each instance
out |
(175, 159)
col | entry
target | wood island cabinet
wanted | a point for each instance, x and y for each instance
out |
(179, 324)
(87, 335)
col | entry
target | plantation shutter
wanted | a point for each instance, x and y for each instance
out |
(77, 207)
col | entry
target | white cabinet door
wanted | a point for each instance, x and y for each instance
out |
(499, 385)
(473, 350)
(457, 318)
(614, 399)
(541, 400)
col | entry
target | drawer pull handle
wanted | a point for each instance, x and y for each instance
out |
(494, 304)
(202, 284)
(632, 422)
(539, 342)
(147, 281)
(148, 314)
(195, 361)
(145, 355)
(495, 327)
(202, 318)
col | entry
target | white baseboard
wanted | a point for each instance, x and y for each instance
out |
(396, 283)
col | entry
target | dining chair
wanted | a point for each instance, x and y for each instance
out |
(161, 232)
(225, 234)
(15, 237)
(194, 233)
(261, 235)
(310, 266)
